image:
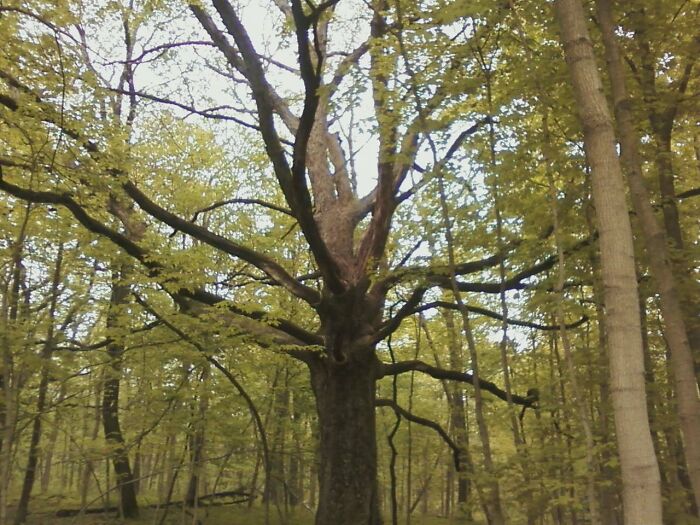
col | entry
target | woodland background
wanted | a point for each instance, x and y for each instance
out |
(118, 392)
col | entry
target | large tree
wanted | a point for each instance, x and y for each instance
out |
(340, 282)
(346, 234)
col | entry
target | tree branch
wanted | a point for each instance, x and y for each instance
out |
(689, 193)
(190, 109)
(496, 315)
(408, 308)
(292, 180)
(259, 202)
(456, 452)
(246, 318)
(264, 263)
(388, 369)
(92, 224)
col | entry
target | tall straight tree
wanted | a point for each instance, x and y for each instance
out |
(640, 471)
(655, 239)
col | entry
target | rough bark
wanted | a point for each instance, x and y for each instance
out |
(640, 471)
(345, 394)
(347, 258)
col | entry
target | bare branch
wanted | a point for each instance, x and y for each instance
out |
(409, 307)
(689, 193)
(190, 109)
(497, 316)
(402, 367)
(282, 331)
(456, 452)
(344, 66)
(165, 47)
(259, 202)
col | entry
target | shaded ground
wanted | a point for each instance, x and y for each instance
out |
(208, 516)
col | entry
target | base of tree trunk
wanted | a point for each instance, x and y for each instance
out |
(345, 394)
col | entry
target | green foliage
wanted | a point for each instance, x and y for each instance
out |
(440, 68)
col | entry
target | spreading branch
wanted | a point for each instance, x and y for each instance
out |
(389, 369)
(292, 180)
(689, 193)
(253, 322)
(260, 261)
(259, 202)
(275, 271)
(497, 316)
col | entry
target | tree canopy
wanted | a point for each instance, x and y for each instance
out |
(357, 257)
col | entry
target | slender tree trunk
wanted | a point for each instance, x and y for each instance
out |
(296, 460)
(578, 393)
(313, 479)
(89, 466)
(495, 513)
(47, 350)
(275, 491)
(197, 440)
(579, 399)
(458, 416)
(110, 407)
(10, 318)
(640, 470)
(662, 109)
(345, 394)
(682, 362)
(50, 447)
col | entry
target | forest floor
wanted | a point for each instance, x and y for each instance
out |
(224, 515)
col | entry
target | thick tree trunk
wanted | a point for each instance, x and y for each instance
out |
(345, 394)
(640, 471)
